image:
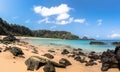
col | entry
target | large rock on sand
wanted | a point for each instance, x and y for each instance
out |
(65, 51)
(48, 55)
(64, 62)
(49, 67)
(15, 51)
(9, 38)
(35, 62)
(109, 60)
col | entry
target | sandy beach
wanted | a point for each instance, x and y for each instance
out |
(10, 63)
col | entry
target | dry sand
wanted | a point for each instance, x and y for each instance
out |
(10, 64)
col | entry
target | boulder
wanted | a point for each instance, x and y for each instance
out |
(15, 51)
(77, 58)
(49, 67)
(9, 38)
(108, 59)
(115, 43)
(64, 61)
(117, 53)
(52, 51)
(35, 62)
(65, 51)
(48, 55)
(97, 43)
(90, 63)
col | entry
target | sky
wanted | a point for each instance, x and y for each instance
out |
(99, 19)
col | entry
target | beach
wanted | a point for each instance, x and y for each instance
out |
(10, 63)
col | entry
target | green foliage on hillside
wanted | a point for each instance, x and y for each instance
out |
(6, 28)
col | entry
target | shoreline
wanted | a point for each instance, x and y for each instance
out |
(17, 64)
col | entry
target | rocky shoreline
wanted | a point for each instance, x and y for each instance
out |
(38, 59)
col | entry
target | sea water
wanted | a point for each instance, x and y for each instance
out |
(83, 44)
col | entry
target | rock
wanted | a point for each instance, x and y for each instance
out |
(9, 38)
(35, 62)
(48, 56)
(90, 63)
(58, 65)
(52, 51)
(49, 67)
(0, 49)
(64, 61)
(97, 43)
(84, 38)
(117, 53)
(77, 58)
(115, 43)
(83, 60)
(65, 51)
(15, 51)
(108, 59)
(78, 52)
(94, 56)
(35, 51)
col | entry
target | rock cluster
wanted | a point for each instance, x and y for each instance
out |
(35, 62)
(111, 59)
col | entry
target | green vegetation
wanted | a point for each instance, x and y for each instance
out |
(6, 29)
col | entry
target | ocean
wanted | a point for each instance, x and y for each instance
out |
(83, 44)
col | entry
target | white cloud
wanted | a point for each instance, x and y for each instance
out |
(115, 35)
(56, 15)
(44, 20)
(80, 20)
(63, 16)
(99, 22)
(44, 11)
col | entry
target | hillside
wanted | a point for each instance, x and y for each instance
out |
(6, 28)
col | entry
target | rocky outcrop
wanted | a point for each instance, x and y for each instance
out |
(48, 55)
(115, 43)
(90, 63)
(110, 59)
(65, 62)
(35, 62)
(97, 43)
(10, 38)
(15, 51)
(65, 51)
(49, 67)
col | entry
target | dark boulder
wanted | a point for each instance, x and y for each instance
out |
(15, 51)
(48, 56)
(9, 38)
(52, 51)
(97, 43)
(49, 67)
(35, 62)
(77, 58)
(90, 63)
(65, 51)
(65, 62)
(117, 53)
(115, 43)
(108, 60)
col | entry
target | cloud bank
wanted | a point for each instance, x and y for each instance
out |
(58, 14)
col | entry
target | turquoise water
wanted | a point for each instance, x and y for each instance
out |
(83, 44)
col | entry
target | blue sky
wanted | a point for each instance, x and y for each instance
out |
(98, 19)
